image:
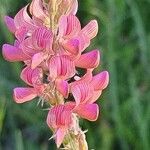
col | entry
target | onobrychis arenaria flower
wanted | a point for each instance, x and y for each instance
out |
(51, 44)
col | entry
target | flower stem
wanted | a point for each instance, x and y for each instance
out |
(75, 142)
(75, 138)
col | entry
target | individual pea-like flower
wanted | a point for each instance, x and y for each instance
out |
(72, 37)
(60, 118)
(36, 87)
(35, 48)
(51, 44)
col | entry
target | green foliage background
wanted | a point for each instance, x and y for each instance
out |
(124, 41)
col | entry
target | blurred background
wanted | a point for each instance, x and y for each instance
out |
(124, 41)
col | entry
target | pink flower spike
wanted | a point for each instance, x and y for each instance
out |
(22, 95)
(89, 60)
(13, 54)
(50, 43)
(88, 111)
(10, 24)
(100, 81)
(91, 29)
(62, 87)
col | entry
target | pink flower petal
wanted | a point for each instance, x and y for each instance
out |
(21, 33)
(69, 25)
(13, 54)
(54, 67)
(32, 76)
(73, 8)
(100, 81)
(60, 135)
(37, 10)
(61, 67)
(27, 47)
(16, 43)
(63, 87)
(73, 25)
(95, 97)
(62, 24)
(91, 29)
(59, 116)
(26, 75)
(84, 42)
(37, 21)
(89, 60)
(82, 92)
(37, 59)
(71, 46)
(88, 111)
(22, 19)
(22, 95)
(10, 24)
(42, 38)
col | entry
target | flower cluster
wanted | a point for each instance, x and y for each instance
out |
(51, 42)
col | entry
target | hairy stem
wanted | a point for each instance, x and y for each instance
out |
(75, 139)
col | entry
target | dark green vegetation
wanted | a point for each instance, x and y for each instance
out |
(124, 40)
